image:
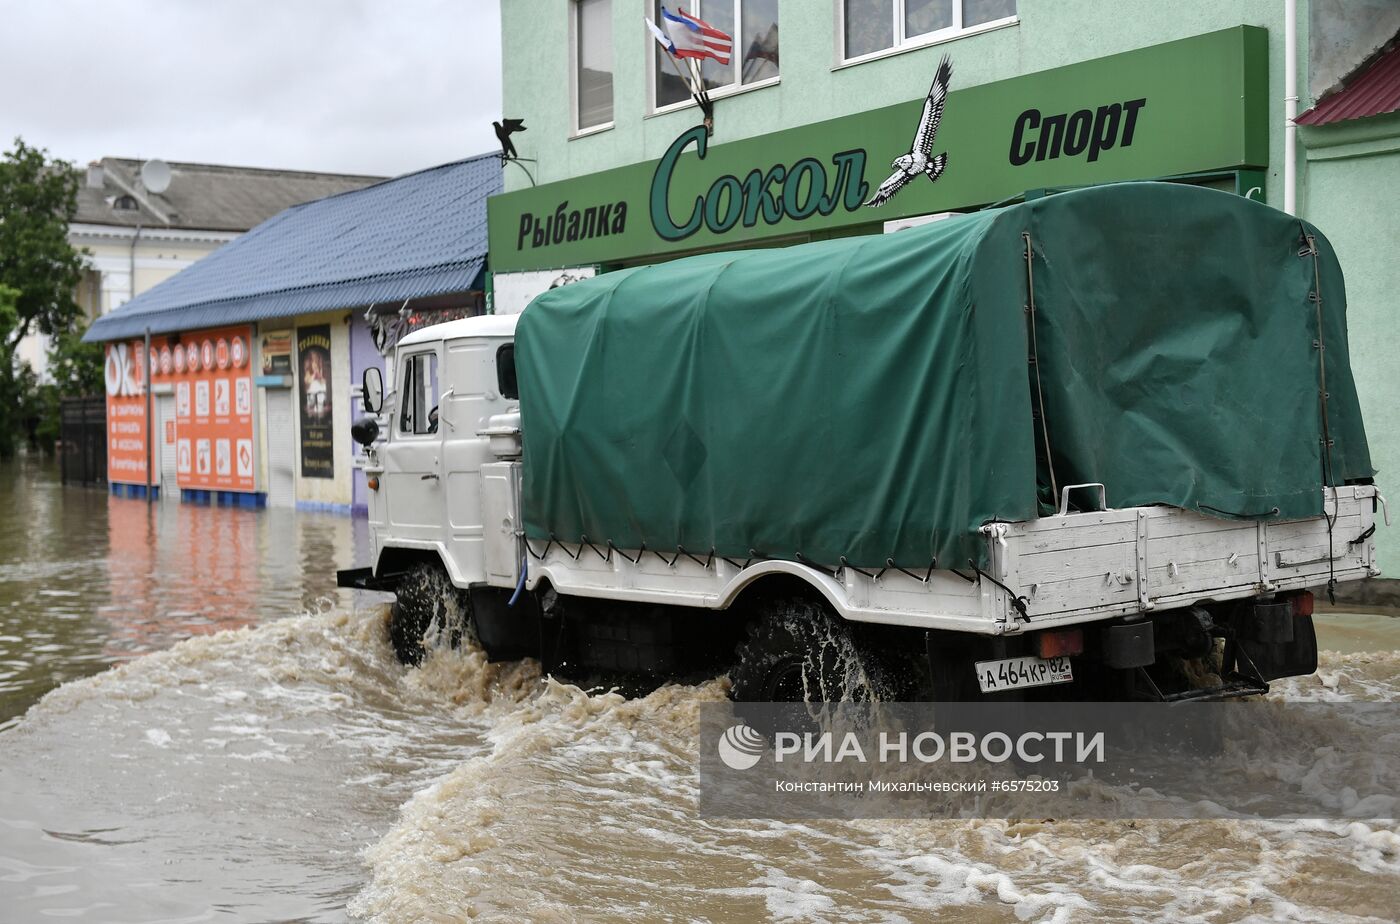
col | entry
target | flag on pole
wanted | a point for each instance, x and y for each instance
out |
(695, 38)
(662, 38)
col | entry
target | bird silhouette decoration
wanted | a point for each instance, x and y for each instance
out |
(503, 133)
(920, 159)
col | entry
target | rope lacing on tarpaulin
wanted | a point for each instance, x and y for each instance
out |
(1034, 360)
(1309, 249)
(1240, 515)
(1018, 602)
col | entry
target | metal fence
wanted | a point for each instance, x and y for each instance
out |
(82, 451)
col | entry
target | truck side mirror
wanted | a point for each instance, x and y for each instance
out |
(372, 390)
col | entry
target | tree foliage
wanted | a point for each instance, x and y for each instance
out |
(38, 198)
(74, 366)
(39, 270)
(13, 380)
(75, 370)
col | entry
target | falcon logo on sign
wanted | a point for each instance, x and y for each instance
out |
(920, 159)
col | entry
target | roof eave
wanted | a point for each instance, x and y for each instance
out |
(460, 277)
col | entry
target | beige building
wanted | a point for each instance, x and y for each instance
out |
(136, 238)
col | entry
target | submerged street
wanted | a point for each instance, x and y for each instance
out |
(291, 768)
(91, 580)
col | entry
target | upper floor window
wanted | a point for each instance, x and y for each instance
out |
(873, 26)
(593, 63)
(755, 57)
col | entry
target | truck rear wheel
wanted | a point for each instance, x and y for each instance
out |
(428, 611)
(799, 650)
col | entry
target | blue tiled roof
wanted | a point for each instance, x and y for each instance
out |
(414, 236)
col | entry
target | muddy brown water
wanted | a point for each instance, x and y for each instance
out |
(198, 727)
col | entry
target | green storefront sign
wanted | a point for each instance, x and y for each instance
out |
(1195, 105)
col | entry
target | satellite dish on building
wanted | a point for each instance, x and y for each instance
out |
(155, 176)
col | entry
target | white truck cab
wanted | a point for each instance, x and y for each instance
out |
(432, 459)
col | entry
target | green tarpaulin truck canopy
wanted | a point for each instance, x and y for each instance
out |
(871, 398)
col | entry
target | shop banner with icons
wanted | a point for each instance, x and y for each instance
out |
(211, 376)
(124, 372)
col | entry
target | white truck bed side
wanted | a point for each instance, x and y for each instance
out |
(1072, 568)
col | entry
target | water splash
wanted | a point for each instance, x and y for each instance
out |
(585, 809)
(297, 770)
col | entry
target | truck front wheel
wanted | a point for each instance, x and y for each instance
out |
(428, 610)
(799, 650)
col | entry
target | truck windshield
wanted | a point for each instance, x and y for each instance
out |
(420, 390)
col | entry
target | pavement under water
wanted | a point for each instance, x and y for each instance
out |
(290, 768)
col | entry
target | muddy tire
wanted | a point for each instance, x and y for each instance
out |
(799, 650)
(427, 612)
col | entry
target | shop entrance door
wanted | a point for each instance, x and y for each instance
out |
(281, 449)
(165, 448)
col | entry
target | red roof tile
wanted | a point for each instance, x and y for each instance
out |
(1376, 90)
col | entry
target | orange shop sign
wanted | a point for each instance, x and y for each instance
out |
(210, 375)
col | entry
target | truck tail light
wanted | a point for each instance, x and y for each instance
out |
(1060, 643)
(1302, 603)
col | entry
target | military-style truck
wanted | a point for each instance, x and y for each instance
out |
(1098, 444)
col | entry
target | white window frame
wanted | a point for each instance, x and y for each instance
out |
(406, 361)
(732, 89)
(574, 130)
(903, 43)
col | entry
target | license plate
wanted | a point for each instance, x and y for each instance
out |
(1019, 673)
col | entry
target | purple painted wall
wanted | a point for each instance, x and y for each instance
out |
(362, 356)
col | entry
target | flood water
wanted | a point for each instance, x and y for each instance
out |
(88, 580)
(155, 767)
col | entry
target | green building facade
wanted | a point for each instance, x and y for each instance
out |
(822, 95)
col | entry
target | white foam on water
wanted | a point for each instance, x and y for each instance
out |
(1365, 676)
(583, 796)
(787, 898)
(244, 769)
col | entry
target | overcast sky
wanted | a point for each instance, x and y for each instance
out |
(352, 86)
